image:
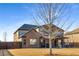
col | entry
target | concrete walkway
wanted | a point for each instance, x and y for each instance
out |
(4, 52)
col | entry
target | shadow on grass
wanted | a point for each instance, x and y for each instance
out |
(52, 55)
(59, 55)
(10, 53)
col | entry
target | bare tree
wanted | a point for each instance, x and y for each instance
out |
(49, 13)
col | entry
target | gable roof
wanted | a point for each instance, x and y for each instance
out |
(26, 27)
(30, 27)
(73, 32)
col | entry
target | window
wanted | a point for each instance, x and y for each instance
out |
(32, 41)
(22, 33)
(24, 42)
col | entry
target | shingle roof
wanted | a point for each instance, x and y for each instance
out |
(30, 27)
(73, 32)
(43, 26)
(27, 27)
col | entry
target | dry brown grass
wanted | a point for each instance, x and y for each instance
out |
(45, 52)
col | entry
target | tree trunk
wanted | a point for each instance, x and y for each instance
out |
(50, 46)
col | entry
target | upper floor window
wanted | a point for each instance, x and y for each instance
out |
(22, 33)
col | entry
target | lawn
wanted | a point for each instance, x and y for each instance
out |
(45, 52)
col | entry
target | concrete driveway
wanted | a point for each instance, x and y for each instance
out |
(4, 52)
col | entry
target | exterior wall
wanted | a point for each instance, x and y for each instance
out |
(16, 37)
(18, 34)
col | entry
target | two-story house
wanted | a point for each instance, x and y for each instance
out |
(39, 36)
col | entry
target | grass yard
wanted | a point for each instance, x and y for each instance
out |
(44, 52)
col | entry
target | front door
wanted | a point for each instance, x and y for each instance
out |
(42, 43)
(24, 43)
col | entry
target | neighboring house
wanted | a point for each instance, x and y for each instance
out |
(73, 38)
(38, 36)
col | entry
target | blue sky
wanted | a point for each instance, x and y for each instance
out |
(12, 16)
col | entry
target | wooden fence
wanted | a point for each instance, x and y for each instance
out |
(10, 45)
